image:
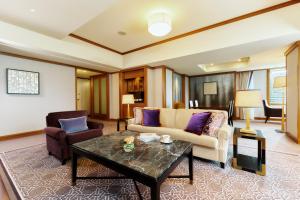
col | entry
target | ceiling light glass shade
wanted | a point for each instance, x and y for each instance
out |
(159, 24)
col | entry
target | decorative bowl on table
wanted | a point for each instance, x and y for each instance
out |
(128, 145)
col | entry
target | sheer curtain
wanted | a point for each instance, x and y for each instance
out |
(243, 82)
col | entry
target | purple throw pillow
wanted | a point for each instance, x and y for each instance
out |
(73, 125)
(197, 122)
(151, 117)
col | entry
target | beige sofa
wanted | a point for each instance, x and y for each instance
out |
(174, 121)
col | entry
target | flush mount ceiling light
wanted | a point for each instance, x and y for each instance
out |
(159, 24)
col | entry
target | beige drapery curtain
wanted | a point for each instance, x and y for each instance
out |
(243, 80)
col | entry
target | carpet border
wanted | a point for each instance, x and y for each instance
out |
(11, 182)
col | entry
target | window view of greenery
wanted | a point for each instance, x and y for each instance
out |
(276, 93)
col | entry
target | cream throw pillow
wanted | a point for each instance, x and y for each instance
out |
(138, 115)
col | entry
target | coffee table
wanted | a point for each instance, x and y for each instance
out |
(149, 163)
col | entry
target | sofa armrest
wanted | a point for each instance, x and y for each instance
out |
(225, 132)
(54, 132)
(130, 121)
(95, 125)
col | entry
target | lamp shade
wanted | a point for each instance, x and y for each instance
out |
(127, 99)
(279, 82)
(248, 99)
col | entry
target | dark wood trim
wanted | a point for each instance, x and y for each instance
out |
(92, 96)
(94, 43)
(48, 61)
(291, 48)
(202, 29)
(135, 68)
(146, 86)
(83, 78)
(291, 137)
(219, 24)
(220, 73)
(20, 135)
(107, 97)
(270, 119)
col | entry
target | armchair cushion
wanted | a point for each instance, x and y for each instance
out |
(73, 125)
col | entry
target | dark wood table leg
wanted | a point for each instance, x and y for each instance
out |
(191, 173)
(74, 168)
(155, 192)
(259, 152)
(118, 125)
(126, 124)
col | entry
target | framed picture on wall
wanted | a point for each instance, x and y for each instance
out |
(210, 88)
(22, 82)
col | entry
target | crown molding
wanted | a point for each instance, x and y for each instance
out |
(94, 43)
(202, 29)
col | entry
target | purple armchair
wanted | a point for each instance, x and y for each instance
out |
(58, 140)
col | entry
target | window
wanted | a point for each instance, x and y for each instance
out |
(275, 94)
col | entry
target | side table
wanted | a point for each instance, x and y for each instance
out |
(122, 120)
(248, 163)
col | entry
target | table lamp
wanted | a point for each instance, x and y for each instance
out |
(280, 82)
(248, 99)
(128, 99)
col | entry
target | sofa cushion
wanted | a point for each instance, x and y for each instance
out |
(214, 122)
(197, 122)
(178, 134)
(138, 115)
(167, 117)
(73, 125)
(151, 117)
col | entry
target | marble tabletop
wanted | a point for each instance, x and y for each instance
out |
(151, 158)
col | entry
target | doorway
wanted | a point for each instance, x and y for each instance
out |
(92, 93)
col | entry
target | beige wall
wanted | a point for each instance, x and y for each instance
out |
(169, 88)
(292, 60)
(187, 92)
(154, 84)
(21, 113)
(114, 109)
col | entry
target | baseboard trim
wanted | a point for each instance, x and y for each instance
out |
(20, 135)
(292, 137)
(270, 119)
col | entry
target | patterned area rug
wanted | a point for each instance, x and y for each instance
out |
(39, 176)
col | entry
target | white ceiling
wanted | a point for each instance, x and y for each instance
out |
(130, 16)
(263, 38)
(55, 18)
(263, 54)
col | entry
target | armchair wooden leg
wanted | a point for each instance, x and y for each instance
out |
(222, 165)
(63, 162)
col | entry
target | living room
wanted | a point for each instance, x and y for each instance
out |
(165, 100)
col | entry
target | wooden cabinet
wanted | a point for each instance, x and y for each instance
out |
(134, 82)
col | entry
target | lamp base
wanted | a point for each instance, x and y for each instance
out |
(248, 131)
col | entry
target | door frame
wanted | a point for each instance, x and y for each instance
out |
(92, 94)
(99, 116)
